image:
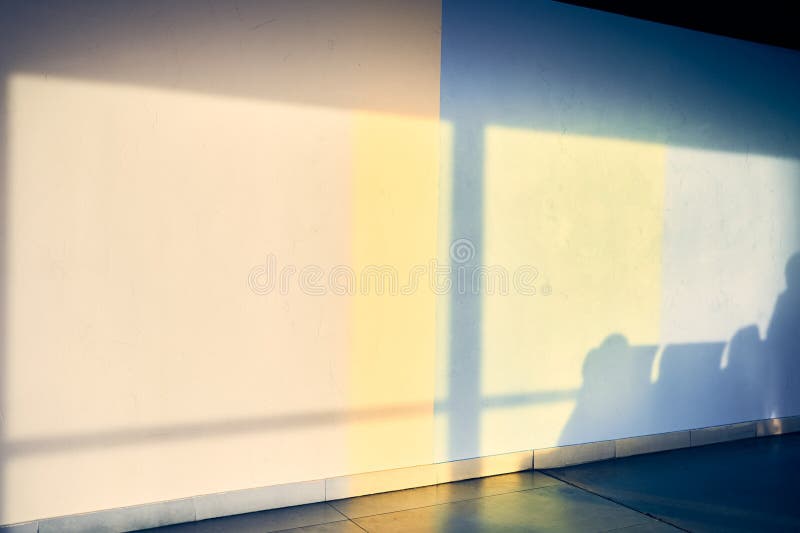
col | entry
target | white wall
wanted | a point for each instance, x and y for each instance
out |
(157, 155)
(154, 154)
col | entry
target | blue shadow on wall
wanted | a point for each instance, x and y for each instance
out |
(546, 66)
(756, 379)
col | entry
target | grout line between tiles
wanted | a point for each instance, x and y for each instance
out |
(338, 511)
(648, 515)
(453, 501)
(359, 526)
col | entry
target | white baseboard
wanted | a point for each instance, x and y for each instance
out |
(305, 492)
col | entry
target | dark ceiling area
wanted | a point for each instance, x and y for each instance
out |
(767, 21)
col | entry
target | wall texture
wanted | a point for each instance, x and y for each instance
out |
(155, 155)
(650, 174)
(202, 201)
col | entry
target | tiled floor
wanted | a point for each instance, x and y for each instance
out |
(745, 485)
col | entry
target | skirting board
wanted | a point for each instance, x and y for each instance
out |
(306, 492)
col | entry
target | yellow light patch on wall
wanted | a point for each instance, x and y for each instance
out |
(586, 212)
(396, 166)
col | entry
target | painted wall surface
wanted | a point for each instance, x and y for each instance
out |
(164, 162)
(651, 175)
(251, 243)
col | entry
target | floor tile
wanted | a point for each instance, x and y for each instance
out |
(333, 527)
(748, 485)
(436, 494)
(651, 526)
(262, 522)
(554, 508)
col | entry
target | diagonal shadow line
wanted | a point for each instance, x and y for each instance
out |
(554, 475)
(175, 432)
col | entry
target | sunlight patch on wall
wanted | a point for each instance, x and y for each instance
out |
(586, 212)
(396, 168)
